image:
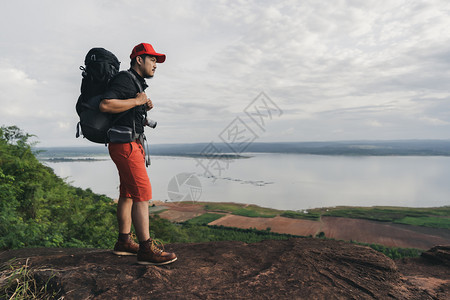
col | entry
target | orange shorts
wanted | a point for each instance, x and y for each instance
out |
(130, 162)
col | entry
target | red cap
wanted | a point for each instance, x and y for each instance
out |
(144, 48)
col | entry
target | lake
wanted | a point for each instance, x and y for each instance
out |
(282, 181)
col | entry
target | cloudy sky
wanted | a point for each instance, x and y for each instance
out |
(334, 70)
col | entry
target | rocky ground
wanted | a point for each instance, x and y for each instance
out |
(296, 268)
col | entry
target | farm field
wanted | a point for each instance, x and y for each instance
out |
(320, 222)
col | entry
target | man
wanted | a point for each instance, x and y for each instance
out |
(129, 106)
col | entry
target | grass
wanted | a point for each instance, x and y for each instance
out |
(254, 213)
(204, 219)
(309, 215)
(393, 252)
(435, 222)
(222, 207)
(210, 233)
(437, 217)
(157, 212)
(242, 210)
(188, 232)
(17, 281)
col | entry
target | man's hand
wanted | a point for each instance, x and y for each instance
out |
(115, 106)
(149, 104)
(142, 99)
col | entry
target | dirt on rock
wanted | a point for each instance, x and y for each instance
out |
(303, 268)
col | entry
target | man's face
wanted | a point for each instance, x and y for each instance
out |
(148, 67)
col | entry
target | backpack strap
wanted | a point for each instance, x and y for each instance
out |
(142, 137)
(138, 84)
(136, 81)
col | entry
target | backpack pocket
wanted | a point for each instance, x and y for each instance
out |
(120, 134)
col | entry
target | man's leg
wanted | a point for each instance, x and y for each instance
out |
(125, 244)
(149, 253)
(124, 207)
(140, 220)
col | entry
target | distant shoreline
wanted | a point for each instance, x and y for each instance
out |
(75, 158)
(65, 159)
(237, 151)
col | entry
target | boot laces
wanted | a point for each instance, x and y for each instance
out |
(156, 246)
(133, 237)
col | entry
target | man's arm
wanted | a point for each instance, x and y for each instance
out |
(115, 106)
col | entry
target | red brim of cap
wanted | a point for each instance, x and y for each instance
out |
(160, 58)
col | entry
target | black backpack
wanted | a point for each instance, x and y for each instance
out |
(100, 66)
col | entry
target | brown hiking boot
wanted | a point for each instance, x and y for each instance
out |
(150, 254)
(126, 247)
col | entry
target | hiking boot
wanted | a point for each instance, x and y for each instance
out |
(126, 246)
(150, 254)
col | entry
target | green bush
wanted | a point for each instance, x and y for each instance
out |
(39, 209)
(314, 216)
(394, 252)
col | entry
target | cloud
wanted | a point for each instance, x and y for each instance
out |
(19, 89)
(339, 70)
